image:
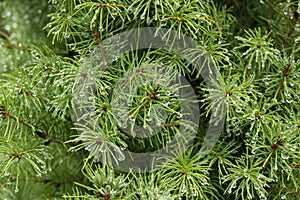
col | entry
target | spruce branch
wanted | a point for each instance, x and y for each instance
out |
(256, 156)
(103, 56)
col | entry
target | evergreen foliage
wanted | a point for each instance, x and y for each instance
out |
(51, 51)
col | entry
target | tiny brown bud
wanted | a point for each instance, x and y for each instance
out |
(286, 73)
(94, 35)
(152, 96)
(83, 74)
(274, 146)
(104, 108)
(3, 116)
(228, 93)
(288, 64)
(139, 70)
(99, 194)
(107, 196)
(99, 142)
(13, 155)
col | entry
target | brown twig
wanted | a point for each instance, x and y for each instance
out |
(295, 165)
(295, 14)
(96, 35)
(152, 96)
(29, 93)
(10, 45)
(39, 133)
(5, 36)
(284, 74)
(274, 148)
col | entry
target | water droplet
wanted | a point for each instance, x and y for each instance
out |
(121, 157)
(238, 110)
(15, 25)
(249, 196)
(183, 190)
(66, 35)
(7, 27)
(284, 155)
(289, 100)
(8, 13)
(229, 191)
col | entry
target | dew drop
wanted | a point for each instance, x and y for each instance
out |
(284, 155)
(15, 25)
(289, 100)
(121, 157)
(103, 150)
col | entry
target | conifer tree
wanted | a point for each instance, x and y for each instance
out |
(136, 99)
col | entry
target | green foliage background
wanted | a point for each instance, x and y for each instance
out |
(254, 44)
